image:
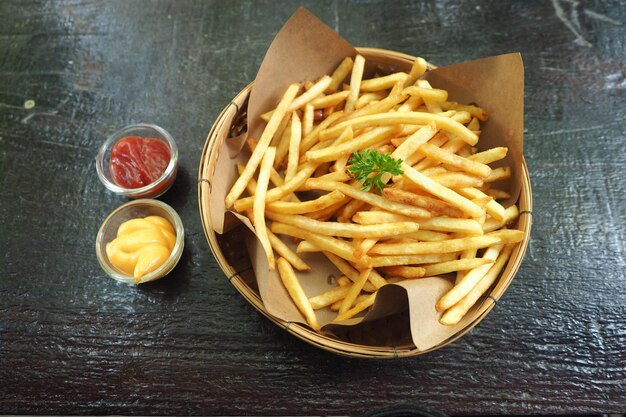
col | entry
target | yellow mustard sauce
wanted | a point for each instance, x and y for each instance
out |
(141, 246)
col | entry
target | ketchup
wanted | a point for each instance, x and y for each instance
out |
(137, 162)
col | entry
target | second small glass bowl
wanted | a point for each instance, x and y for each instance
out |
(152, 190)
(132, 210)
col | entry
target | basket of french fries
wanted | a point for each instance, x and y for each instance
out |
(379, 209)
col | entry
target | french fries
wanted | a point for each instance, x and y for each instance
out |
(288, 276)
(259, 204)
(255, 159)
(434, 214)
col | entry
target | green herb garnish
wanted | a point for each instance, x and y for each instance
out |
(368, 162)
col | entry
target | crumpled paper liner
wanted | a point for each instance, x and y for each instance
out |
(305, 49)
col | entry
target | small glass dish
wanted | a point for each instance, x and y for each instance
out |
(152, 190)
(132, 210)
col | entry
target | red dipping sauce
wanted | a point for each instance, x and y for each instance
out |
(137, 162)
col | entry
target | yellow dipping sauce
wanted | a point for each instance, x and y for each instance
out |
(141, 246)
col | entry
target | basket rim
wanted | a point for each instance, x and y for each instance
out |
(302, 331)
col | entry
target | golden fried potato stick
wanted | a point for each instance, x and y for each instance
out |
(375, 280)
(320, 203)
(490, 155)
(442, 224)
(413, 142)
(373, 199)
(308, 119)
(456, 265)
(433, 94)
(255, 159)
(340, 163)
(251, 185)
(451, 159)
(456, 145)
(469, 227)
(377, 217)
(411, 104)
(293, 155)
(384, 149)
(387, 104)
(392, 260)
(426, 236)
(275, 177)
(346, 212)
(362, 246)
(405, 271)
(418, 69)
(508, 235)
(329, 297)
(498, 174)
(462, 117)
(447, 246)
(328, 212)
(346, 136)
(367, 98)
(493, 208)
(439, 139)
(355, 290)
(283, 250)
(360, 298)
(469, 281)
(466, 254)
(343, 281)
(281, 191)
(431, 204)
(355, 83)
(311, 94)
(344, 229)
(429, 172)
(340, 176)
(475, 111)
(306, 246)
(431, 105)
(442, 192)
(474, 125)
(383, 83)
(367, 139)
(259, 204)
(340, 74)
(455, 314)
(497, 194)
(339, 247)
(291, 283)
(329, 100)
(510, 214)
(455, 180)
(396, 118)
(281, 129)
(451, 147)
(312, 138)
(360, 306)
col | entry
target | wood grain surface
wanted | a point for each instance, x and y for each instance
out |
(73, 341)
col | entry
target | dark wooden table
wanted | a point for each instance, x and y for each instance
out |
(73, 341)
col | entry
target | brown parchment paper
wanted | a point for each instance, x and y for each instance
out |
(497, 85)
(305, 49)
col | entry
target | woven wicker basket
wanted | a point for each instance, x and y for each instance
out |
(368, 341)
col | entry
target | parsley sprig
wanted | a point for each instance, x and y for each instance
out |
(369, 166)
